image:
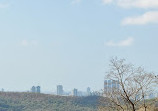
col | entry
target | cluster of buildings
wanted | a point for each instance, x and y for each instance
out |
(36, 89)
(110, 86)
(75, 92)
(60, 91)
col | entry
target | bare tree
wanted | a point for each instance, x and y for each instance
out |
(134, 85)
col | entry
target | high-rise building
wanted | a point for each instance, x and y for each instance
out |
(60, 90)
(110, 85)
(38, 89)
(75, 92)
(88, 91)
(33, 89)
(2, 90)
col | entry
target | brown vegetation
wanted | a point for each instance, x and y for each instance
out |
(134, 85)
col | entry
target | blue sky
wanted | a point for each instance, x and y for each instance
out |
(70, 42)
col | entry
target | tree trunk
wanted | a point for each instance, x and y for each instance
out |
(133, 107)
(145, 108)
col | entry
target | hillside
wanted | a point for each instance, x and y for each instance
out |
(10, 101)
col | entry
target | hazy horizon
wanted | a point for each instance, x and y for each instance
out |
(70, 42)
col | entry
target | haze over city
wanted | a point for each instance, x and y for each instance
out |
(70, 42)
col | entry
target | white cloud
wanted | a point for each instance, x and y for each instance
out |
(34, 43)
(26, 43)
(148, 17)
(122, 43)
(107, 1)
(138, 3)
(75, 2)
(4, 5)
(134, 3)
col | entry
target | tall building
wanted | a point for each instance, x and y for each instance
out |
(60, 90)
(33, 89)
(88, 91)
(110, 85)
(38, 89)
(75, 92)
(2, 90)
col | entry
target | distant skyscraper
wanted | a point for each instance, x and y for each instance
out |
(2, 90)
(110, 85)
(38, 89)
(60, 90)
(88, 91)
(33, 89)
(75, 92)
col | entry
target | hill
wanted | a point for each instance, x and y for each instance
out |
(13, 101)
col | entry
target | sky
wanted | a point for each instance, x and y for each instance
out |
(70, 42)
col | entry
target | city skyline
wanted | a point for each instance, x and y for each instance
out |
(70, 42)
